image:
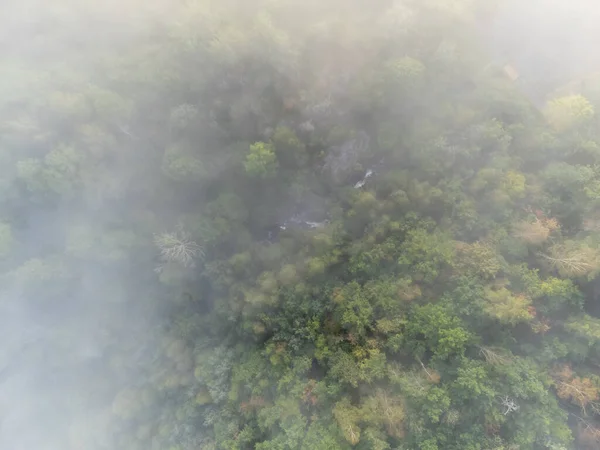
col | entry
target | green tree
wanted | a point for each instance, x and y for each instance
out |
(261, 161)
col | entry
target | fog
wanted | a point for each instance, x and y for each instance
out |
(96, 151)
(548, 41)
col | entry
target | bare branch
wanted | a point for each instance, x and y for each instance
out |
(178, 247)
(493, 356)
(509, 404)
(572, 264)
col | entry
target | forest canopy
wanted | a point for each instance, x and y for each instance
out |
(293, 225)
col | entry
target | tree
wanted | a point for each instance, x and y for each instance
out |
(585, 326)
(58, 173)
(386, 409)
(580, 391)
(178, 248)
(182, 117)
(567, 112)
(432, 328)
(180, 164)
(347, 418)
(479, 258)
(572, 259)
(535, 232)
(291, 152)
(354, 311)
(472, 382)
(507, 307)
(367, 237)
(426, 254)
(405, 72)
(261, 161)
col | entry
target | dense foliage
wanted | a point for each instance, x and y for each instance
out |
(264, 226)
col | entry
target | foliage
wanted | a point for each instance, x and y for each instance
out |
(285, 228)
(261, 161)
(566, 112)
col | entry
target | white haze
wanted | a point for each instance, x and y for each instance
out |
(42, 398)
